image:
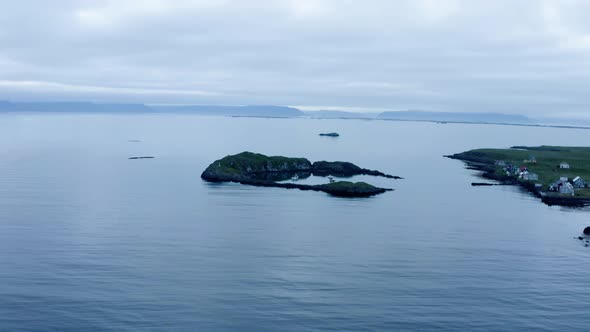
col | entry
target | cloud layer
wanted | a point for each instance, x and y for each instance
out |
(526, 56)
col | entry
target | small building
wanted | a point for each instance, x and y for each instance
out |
(530, 176)
(578, 182)
(562, 186)
(566, 188)
(563, 179)
(564, 165)
(555, 185)
(511, 169)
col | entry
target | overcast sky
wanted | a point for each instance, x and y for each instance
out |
(521, 56)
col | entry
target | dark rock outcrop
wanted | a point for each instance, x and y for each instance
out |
(587, 230)
(351, 189)
(344, 169)
(339, 188)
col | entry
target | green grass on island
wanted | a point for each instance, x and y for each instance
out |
(543, 160)
(259, 162)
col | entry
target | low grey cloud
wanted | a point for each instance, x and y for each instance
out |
(525, 56)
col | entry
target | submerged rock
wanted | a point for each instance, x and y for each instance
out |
(587, 230)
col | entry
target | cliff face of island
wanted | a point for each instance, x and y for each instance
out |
(260, 170)
(552, 173)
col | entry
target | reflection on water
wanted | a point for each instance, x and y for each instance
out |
(282, 176)
(90, 240)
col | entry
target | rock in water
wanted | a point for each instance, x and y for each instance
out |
(143, 157)
(344, 169)
(587, 230)
(351, 189)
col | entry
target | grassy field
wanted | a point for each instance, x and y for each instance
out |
(547, 166)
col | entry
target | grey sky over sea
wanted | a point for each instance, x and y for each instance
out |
(512, 56)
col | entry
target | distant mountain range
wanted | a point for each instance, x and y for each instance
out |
(285, 112)
(250, 110)
(71, 106)
(254, 110)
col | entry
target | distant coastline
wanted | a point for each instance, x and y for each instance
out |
(283, 112)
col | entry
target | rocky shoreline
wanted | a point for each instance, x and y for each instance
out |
(488, 168)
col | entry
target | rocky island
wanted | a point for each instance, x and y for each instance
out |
(555, 174)
(142, 157)
(330, 134)
(264, 171)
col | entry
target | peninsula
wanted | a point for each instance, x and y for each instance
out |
(556, 174)
(264, 171)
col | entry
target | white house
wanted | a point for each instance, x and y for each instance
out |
(564, 165)
(566, 188)
(561, 186)
(578, 182)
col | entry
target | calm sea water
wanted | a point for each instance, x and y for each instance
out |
(90, 240)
